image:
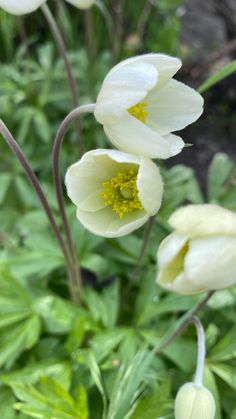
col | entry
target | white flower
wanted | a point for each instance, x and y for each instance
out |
(201, 253)
(115, 193)
(82, 4)
(22, 7)
(140, 105)
(194, 402)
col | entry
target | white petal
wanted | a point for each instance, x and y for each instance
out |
(84, 179)
(175, 142)
(173, 107)
(20, 7)
(123, 89)
(107, 224)
(205, 219)
(194, 402)
(150, 186)
(82, 4)
(169, 248)
(210, 262)
(132, 136)
(166, 65)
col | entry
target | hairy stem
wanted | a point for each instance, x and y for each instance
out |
(69, 73)
(37, 187)
(201, 349)
(58, 186)
(182, 324)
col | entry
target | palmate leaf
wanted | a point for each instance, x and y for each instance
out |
(51, 401)
(7, 401)
(15, 311)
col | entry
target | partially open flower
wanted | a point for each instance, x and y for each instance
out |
(200, 254)
(22, 7)
(140, 105)
(194, 402)
(115, 193)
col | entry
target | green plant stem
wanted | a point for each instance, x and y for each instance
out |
(201, 349)
(69, 73)
(58, 186)
(11, 142)
(108, 19)
(183, 323)
(141, 255)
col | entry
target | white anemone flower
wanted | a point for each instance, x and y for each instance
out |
(140, 105)
(194, 402)
(22, 7)
(114, 192)
(200, 254)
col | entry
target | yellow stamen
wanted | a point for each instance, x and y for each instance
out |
(138, 111)
(121, 193)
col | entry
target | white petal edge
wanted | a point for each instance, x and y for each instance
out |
(150, 186)
(105, 222)
(123, 89)
(210, 262)
(203, 219)
(166, 65)
(132, 136)
(20, 7)
(81, 4)
(173, 107)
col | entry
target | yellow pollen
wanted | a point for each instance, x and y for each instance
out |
(138, 111)
(121, 193)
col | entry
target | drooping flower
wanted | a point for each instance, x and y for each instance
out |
(140, 105)
(194, 402)
(115, 192)
(22, 7)
(200, 254)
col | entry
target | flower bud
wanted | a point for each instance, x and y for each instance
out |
(194, 402)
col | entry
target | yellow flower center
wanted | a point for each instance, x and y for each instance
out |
(138, 111)
(121, 193)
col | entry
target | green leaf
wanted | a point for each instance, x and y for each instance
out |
(58, 371)
(226, 373)
(225, 348)
(127, 385)
(50, 400)
(218, 172)
(16, 311)
(7, 401)
(210, 382)
(155, 405)
(218, 77)
(103, 306)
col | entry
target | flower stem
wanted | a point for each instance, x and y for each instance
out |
(108, 19)
(141, 255)
(201, 350)
(171, 336)
(69, 73)
(37, 187)
(58, 186)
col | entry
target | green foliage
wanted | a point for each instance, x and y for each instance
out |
(218, 77)
(96, 361)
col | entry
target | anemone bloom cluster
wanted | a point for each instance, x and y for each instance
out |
(139, 106)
